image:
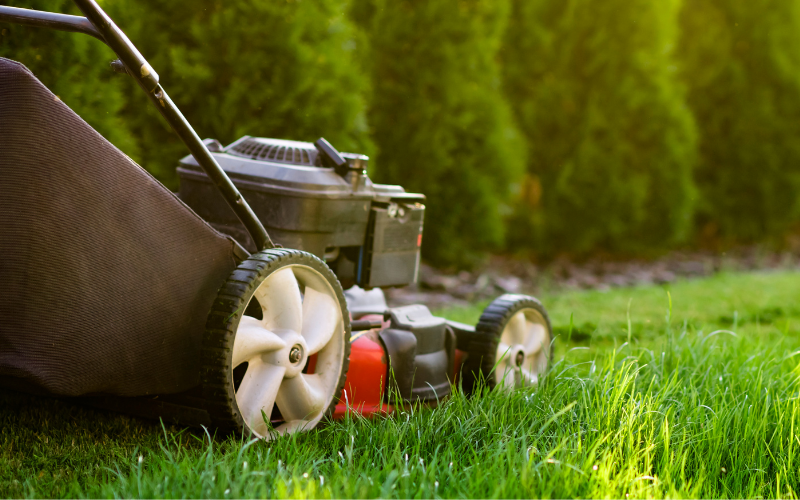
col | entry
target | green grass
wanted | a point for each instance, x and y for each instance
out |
(702, 401)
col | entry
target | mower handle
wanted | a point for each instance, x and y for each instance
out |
(99, 25)
(62, 22)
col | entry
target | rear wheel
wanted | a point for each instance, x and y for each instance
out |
(511, 346)
(276, 347)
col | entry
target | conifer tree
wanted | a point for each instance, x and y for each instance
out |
(611, 142)
(741, 62)
(440, 121)
(75, 67)
(244, 67)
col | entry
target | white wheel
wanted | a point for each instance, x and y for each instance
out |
(290, 344)
(510, 347)
(523, 351)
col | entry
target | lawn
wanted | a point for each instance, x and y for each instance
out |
(687, 390)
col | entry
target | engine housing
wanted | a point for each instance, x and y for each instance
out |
(370, 234)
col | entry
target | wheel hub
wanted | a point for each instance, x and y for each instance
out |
(295, 354)
(519, 359)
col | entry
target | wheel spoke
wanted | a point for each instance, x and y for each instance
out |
(528, 378)
(321, 318)
(295, 426)
(301, 397)
(253, 339)
(535, 340)
(257, 392)
(503, 352)
(516, 329)
(501, 363)
(279, 296)
(508, 376)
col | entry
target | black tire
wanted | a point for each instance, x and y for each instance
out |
(481, 345)
(232, 300)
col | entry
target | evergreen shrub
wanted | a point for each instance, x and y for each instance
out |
(75, 67)
(741, 62)
(611, 142)
(440, 122)
(238, 67)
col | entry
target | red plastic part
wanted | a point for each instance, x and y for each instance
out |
(366, 379)
(312, 363)
(457, 366)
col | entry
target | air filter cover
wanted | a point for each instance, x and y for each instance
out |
(275, 150)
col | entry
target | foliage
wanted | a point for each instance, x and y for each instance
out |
(440, 120)
(75, 68)
(611, 143)
(687, 409)
(457, 99)
(741, 64)
(267, 69)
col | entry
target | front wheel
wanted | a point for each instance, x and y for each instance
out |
(510, 347)
(276, 347)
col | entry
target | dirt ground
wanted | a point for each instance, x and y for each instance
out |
(437, 289)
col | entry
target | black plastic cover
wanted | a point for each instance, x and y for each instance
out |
(393, 245)
(418, 319)
(401, 347)
(433, 354)
(307, 208)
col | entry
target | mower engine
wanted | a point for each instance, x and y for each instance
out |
(369, 234)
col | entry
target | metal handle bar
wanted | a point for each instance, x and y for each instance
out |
(62, 22)
(99, 25)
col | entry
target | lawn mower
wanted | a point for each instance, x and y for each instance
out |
(183, 306)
